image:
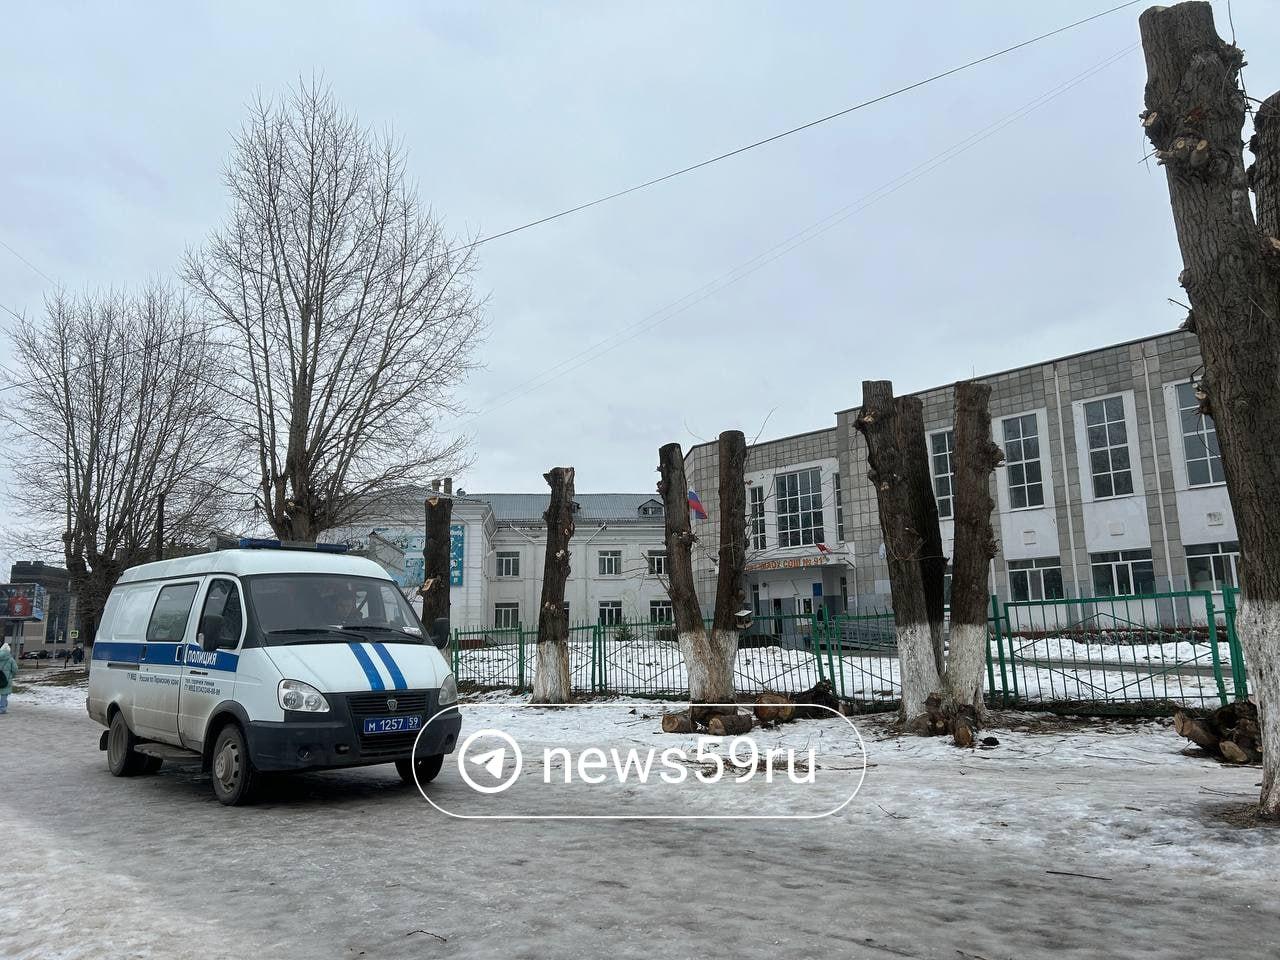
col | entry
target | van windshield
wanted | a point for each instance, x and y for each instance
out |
(321, 607)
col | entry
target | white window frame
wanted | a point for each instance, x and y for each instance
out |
(506, 608)
(835, 481)
(1126, 560)
(606, 559)
(1224, 564)
(609, 613)
(1032, 571)
(757, 537)
(1111, 448)
(661, 611)
(807, 506)
(657, 561)
(1024, 463)
(1205, 433)
(944, 483)
(506, 558)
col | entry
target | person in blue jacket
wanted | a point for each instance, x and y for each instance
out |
(8, 670)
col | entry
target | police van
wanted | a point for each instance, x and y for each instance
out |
(268, 658)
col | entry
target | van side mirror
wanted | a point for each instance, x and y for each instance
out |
(210, 632)
(440, 632)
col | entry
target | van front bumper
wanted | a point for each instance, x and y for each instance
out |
(335, 739)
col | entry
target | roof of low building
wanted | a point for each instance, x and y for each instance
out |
(601, 507)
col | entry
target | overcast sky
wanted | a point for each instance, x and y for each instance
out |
(1048, 237)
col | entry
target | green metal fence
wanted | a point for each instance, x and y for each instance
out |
(1143, 654)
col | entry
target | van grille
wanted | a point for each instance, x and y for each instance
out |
(389, 745)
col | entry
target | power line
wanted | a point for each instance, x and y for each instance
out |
(30, 264)
(786, 133)
(657, 317)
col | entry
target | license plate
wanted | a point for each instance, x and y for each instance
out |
(391, 724)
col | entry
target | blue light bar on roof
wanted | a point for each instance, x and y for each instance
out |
(260, 543)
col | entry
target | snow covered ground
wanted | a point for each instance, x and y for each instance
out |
(1076, 838)
(1046, 669)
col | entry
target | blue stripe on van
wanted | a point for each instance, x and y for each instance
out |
(392, 667)
(370, 671)
(164, 655)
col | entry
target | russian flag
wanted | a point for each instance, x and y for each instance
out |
(823, 548)
(696, 506)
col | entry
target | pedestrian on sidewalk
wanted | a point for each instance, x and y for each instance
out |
(8, 670)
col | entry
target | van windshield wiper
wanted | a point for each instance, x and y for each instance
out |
(321, 634)
(383, 628)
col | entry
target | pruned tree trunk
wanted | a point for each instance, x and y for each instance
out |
(1194, 115)
(973, 458)
(435, 561)
(730, 598)
(709, 670)
(903, 545)
(914, 450)
(551, 676)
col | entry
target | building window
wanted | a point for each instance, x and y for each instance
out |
(1212, 566)
(660, 611)
(657, 563)
(610, 563)
(651, 510)
(610, 612)
(509, 564)
(800, 508)
(506, 616)
(1108, 448)
(1039, 579)
(1123, 573)
(941, 445)
(755, 531)
(1022, 461)
(839, 510)
(1199, 440)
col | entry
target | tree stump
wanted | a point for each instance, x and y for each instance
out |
(729, 726)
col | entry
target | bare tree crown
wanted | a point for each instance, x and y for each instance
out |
(351, 321)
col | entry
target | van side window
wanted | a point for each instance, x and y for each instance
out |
(169, 616)
(223, 599)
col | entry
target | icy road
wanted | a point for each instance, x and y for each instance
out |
(944, 854)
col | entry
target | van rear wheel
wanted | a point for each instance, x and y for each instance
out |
(428, 768)
(234, 777)
(122, 759)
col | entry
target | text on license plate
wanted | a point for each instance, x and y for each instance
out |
(391, 724)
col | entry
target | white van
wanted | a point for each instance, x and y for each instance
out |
(268, 659)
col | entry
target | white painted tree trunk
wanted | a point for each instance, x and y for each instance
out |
(709, 658)
(917, 670)
(551, 673)
(1258, 624)
(966, 657)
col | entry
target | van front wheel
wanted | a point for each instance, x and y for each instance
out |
(428, 768)
(122, 760)
(234, 778)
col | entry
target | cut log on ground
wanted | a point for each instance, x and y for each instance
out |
(774, 708)
(677, 722)
(1230, 732)
(730, 726)
(809, 703)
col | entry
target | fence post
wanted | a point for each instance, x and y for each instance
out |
(831, 664)
(816, 643)
(1239, 674)
(1004, 677)
(604, 659)
(457, 646)
(519, 658)
(1211, 618)
(991, 673)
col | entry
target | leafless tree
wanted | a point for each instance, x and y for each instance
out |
(351, 319)
(1195, 111)
(114, 406)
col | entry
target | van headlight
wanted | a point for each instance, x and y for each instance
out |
(301, 697)
(448, 691)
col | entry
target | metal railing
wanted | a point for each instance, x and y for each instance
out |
(1141, 654)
